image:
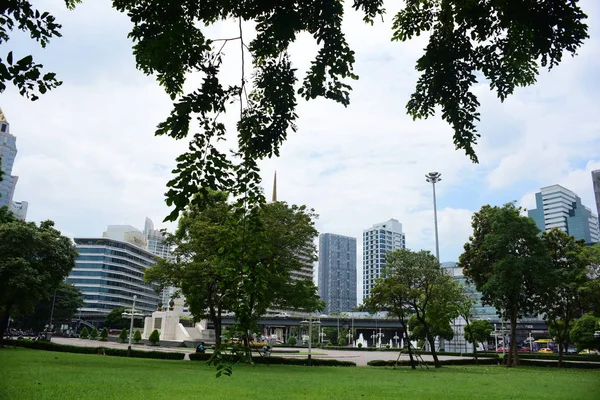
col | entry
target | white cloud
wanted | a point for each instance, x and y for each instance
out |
(88, 157)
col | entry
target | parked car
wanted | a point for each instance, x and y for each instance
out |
(524, 349)
(503, 350)
(589, 351)
(547, 351)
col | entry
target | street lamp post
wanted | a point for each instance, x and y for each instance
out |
(310, 324)
(433, 178)
(131, 326)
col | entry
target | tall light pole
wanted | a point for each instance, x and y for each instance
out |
(310, 323)
(131, 326)
(433, 178)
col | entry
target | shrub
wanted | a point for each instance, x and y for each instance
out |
(94, 334)
(84, 333)
(342, 342)
(137, 336)
(284, 360)
(42, 345)
(292, 341)
(123, 336)
(154, 337)
(104, 335)
(387, 346)
(359, 345)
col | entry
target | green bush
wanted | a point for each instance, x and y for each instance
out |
(359, 345)
(137, 336)
(123, 336)
(154, 337)
(292, 341)
(459, 361)
(42, 345)
(94, 334)
(387, 346)
(104, 335)
(84, 333)
(284, 360)
(341, 342)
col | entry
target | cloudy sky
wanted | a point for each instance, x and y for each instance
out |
(87, 156)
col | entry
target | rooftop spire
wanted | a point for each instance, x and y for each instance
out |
(274, 188)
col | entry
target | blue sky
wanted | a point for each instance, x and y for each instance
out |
(88, 158)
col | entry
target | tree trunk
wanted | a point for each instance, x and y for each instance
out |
(410, 354)
(513, 356)
(4, 323)
(475, 352)
(431, 341)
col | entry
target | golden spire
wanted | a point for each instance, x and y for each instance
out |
(2, 116)
(274, 188)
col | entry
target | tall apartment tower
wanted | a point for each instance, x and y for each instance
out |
(377, 241)
(8, 153)
(337, 272)
(596, 183)
(558, 207)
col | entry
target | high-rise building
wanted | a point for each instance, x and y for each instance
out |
(560, 208)
(377, 241)
(157, 246)
(8, 153)
(596, 183)
(109, 272)
(156, 241)
(337, 272)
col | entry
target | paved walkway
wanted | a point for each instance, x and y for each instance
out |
(361, 358)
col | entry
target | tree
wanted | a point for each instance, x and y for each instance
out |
(123, 335)
(104, 335)
(137, 336)
(224, 261)
(292, 341)
(84, 333)
(590, 291)
(94, 334)
(414, 286)
(583, 331)
(24, 73)
(66, 300)
(115, 319)
(509, 265)
(570, 263)
(154, 337)
(505, 42)
(477, 332)
(34, 260)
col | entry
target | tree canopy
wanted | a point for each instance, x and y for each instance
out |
(220, 264)
(65, 300)
(33, 262)
(503, 43)
(509, 264)
(570, 262)
(416, 291)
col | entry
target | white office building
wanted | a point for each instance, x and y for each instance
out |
(377, 241)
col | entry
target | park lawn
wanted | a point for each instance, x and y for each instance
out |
(33, 374)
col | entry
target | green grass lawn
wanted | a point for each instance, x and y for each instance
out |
(32, 374)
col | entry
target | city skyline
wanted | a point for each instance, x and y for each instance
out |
(352, 165)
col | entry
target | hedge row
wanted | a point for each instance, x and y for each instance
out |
(42, 345)
(578, 365)
(406, 363)
(283, 360)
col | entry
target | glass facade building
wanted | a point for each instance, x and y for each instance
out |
(557, 207)
(337, 272)
(377, 241)
(109, 272)
(596, 184)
